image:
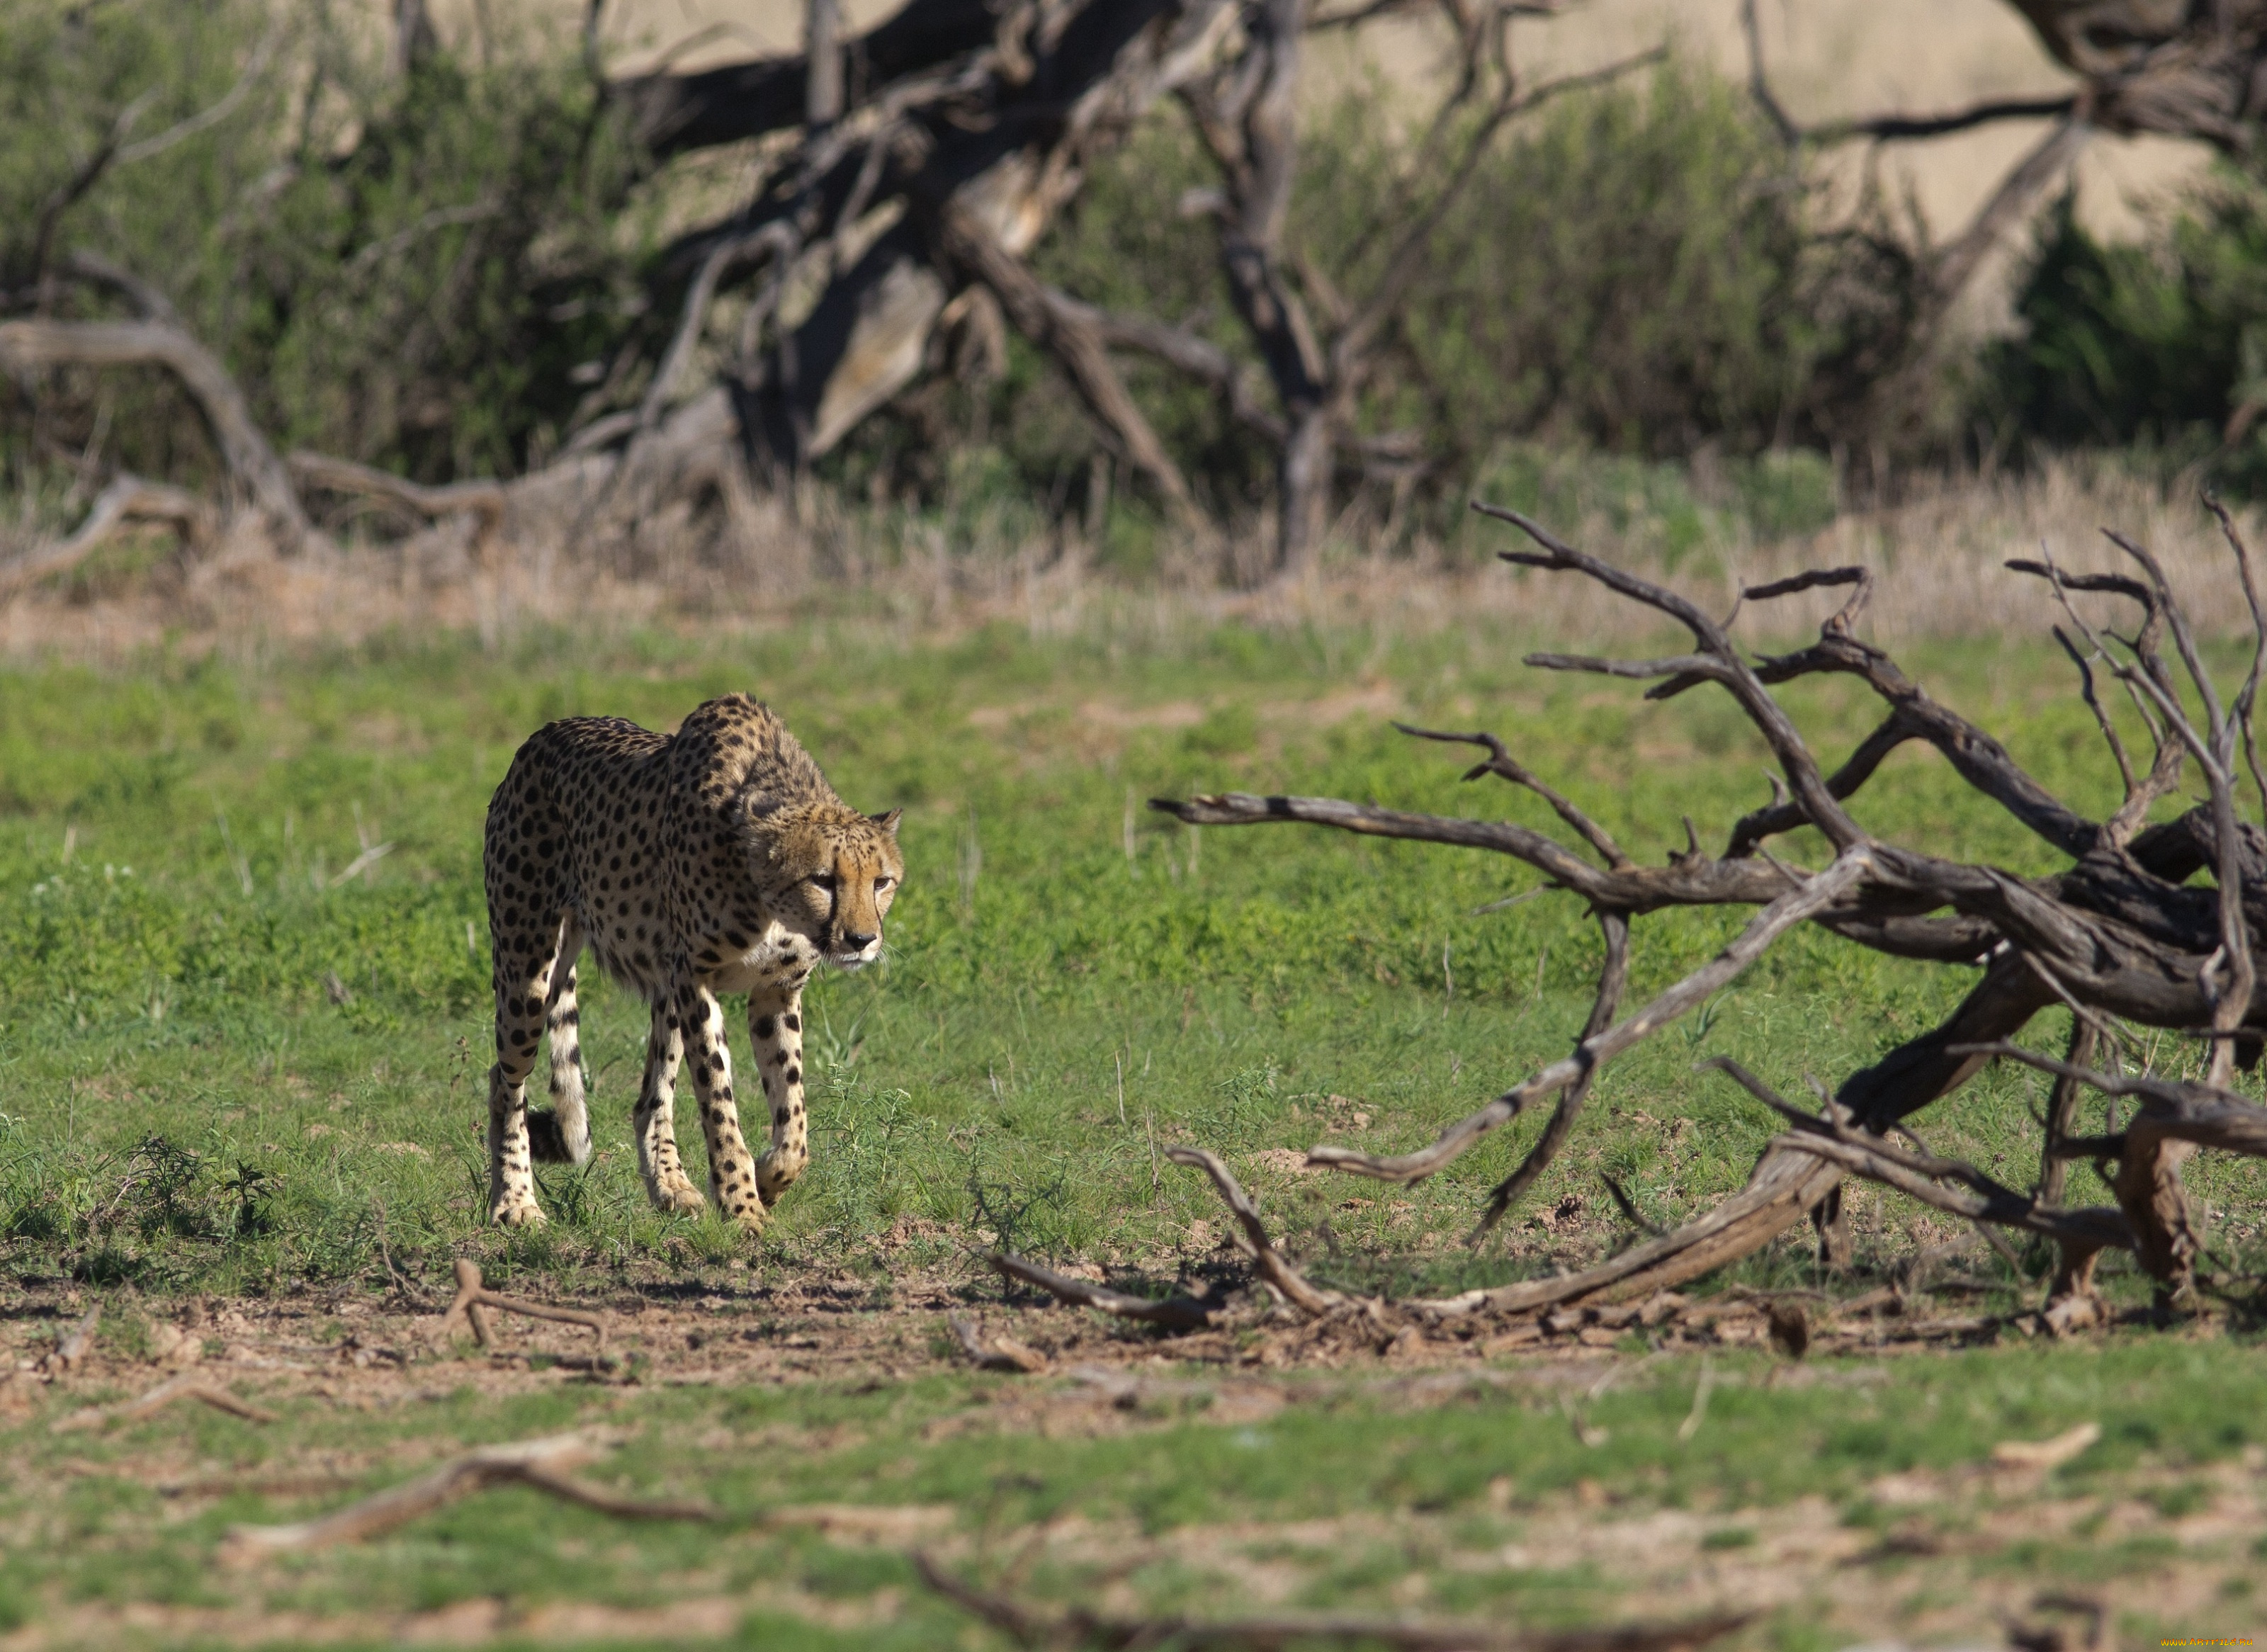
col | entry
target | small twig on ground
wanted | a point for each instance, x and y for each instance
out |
(186, 1386)
(1183, 1311)
(534, 1463)
(1693, 1418)
(472, 1297)
(1628, 1207)
(2046, 1454)
(1264, 1256)
(1079, 1628)
(74, 1346)
(1005, 1354)
(1149, 1123)
(408, 1295)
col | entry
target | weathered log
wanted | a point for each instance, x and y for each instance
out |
(487, 502)
(997, 161)
(1030, 1627)
(672, 114)
(27, 346)
(127, 500)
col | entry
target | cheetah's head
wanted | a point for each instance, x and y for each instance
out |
(832, 879)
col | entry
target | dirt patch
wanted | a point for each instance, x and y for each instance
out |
(1936, 1553)
(361, 1348)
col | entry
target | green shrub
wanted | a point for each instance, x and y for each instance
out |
(407, 270)
(2157, 344)
(1640, 271)
(1636, 273)
(431, 271)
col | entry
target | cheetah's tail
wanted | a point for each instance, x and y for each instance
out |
(547, 1138)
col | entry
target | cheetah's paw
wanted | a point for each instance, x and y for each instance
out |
(749, 1217)
(516, 1212)
(677, 1197)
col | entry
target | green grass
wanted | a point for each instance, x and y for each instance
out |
(282, 1066)
(224, 1070)
(1351, 1494)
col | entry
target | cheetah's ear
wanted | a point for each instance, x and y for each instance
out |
(887, 822)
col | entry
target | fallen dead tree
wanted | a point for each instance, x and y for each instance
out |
(2119, 937)
(127, 501)
(901, 182)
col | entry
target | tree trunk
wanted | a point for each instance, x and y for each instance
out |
(869, 335)
(2176, 69)
(1304, 487)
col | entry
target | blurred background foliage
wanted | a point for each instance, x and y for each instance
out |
(2160, 345)
(1643, 304)
(405, 270)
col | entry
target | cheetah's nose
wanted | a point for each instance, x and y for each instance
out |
(853, 942)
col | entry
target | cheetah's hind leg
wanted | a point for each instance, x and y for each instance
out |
(523, 989)
(666, 1184)
(560, 1135)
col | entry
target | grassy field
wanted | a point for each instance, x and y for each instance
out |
(242, 1056)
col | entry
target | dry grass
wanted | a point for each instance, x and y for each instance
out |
(756, 565)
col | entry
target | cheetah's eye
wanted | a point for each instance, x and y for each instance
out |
(822, 880)
(881, 883)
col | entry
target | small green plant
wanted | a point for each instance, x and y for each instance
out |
(253, 1188)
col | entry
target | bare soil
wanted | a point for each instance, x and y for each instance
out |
(1951, 1557)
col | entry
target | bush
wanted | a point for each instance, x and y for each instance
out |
(1635, 273)
(2158, 344)
(434, 271)
(407, 270)
(1639, 271)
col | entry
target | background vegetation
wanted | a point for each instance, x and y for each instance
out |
(439, 272)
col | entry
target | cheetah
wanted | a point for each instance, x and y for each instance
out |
(714, 860)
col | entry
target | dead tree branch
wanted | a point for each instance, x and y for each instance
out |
(474, 1299)
(1074, 342)
(128, 500)
(1883, 127)
(1272, 1268)
(539, 1464)
(1243, 113)
(28, 346)
(1181, 1312)
(188, 1385)
(2119, 934)
(488, 502)
(1613, 978)
(1001, 1354)
(1793, 908)
(1953, 266)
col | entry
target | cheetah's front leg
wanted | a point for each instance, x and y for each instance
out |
(775, 1026)
(731, 1167)
(655, 1120)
